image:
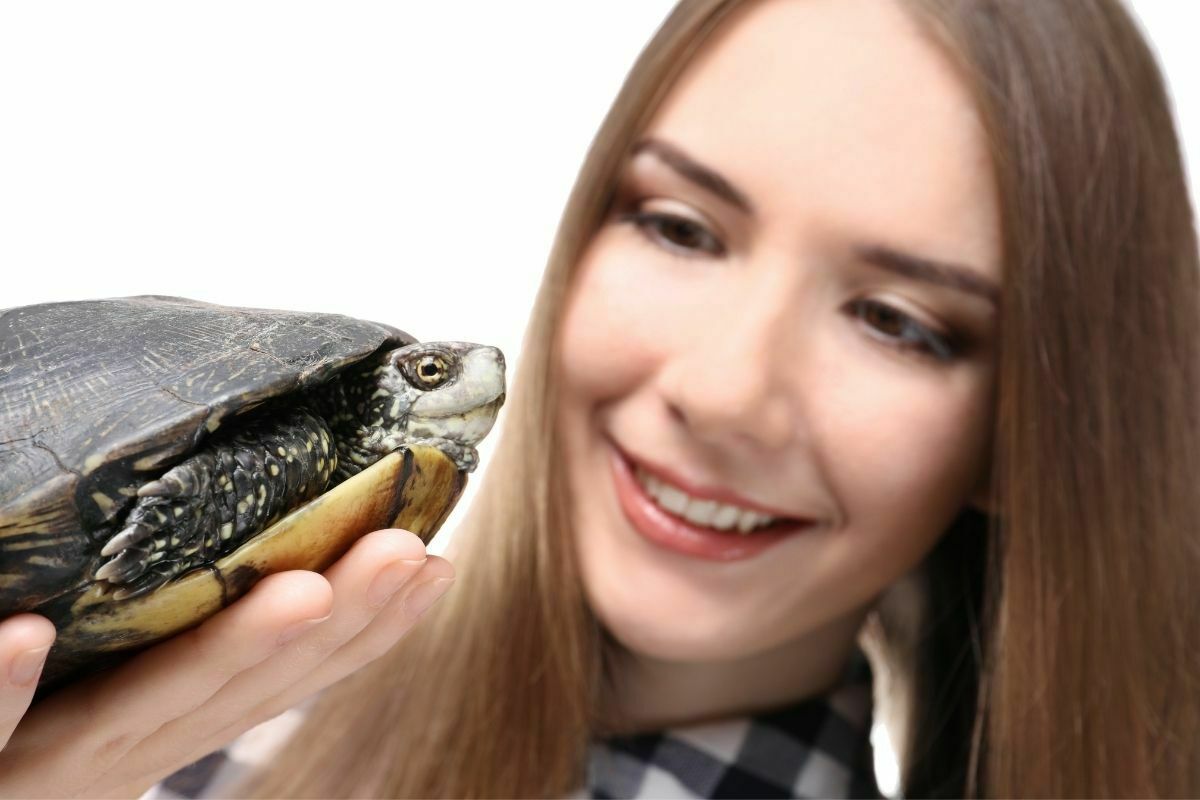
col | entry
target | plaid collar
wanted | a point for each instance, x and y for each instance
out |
(818, 747)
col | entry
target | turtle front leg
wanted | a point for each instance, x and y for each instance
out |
(208, 504)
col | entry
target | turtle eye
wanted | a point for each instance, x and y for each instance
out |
(428, 372)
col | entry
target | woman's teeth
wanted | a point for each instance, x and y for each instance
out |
(708, 513)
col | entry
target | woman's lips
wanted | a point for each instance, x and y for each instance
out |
(668, 531)
(720, 494)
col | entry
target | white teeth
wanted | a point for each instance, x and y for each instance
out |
(746, 521)
(700, 511)
(726, 517)
(672, 499)
(708, 513)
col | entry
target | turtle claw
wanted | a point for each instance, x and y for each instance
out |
(131, 535)
(175, 482)
(123, 568)
(109, 569)
(156, 489)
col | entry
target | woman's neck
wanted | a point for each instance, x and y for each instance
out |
(653, 694)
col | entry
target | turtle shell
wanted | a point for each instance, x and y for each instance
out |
(98, 397)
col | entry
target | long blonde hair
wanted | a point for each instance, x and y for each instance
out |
(1055, 648)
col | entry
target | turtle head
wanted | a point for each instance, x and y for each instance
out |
(445, 394)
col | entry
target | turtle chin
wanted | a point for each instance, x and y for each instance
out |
(467, 428)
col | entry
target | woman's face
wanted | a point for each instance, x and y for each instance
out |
(788, 308)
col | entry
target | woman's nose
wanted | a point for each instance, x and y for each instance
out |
(732, 388)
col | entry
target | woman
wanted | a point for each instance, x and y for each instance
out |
(916, 281)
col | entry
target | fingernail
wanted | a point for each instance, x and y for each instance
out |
(26, 666)
(389, 580)
(423, 596)
(297, 628)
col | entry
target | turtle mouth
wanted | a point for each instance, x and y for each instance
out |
(466, 427)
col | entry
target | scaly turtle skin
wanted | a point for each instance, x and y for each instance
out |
(159, 455)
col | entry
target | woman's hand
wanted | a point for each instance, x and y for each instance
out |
(294, 633)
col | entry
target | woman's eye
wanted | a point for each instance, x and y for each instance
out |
(902, 331)
(676, 234)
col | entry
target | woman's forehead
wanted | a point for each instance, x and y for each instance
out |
(838, 114)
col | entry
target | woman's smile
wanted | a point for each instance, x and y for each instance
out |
(693, 522)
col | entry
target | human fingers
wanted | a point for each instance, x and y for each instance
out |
(383, 632)
(76, 737)
(376, 566)
(24, 643)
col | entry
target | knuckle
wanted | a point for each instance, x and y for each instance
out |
(112, 747)
(101, 747)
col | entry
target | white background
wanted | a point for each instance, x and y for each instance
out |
(403, 162)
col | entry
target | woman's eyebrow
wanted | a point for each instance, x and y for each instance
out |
(927, 270)
(694, 171)
(941, 273)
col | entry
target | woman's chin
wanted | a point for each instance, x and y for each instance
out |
(671, 631)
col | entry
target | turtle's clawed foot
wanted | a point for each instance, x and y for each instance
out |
(210, 503)
(168, 522)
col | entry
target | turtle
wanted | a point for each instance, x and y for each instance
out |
(159, 455)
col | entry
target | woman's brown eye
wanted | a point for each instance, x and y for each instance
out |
(885, 319)
(677, 234)
(901, 331)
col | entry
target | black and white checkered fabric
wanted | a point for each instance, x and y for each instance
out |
(819, 747)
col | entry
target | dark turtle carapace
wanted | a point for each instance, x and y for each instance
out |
(160, 455)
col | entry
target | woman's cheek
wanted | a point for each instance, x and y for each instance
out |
(909, 460)
(610, 338)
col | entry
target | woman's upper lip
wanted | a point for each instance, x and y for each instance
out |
(704, 492)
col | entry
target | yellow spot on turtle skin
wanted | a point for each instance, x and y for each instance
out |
(91, 462)
(227, 530)
(149, 462)
(281, 451)
(178, 511)
(308, 446)
(103, 502)
(212, 423)
(274, 470)
(312, 435)
(262, 492)
(321, 464)
(159, 517)
(241, 507)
